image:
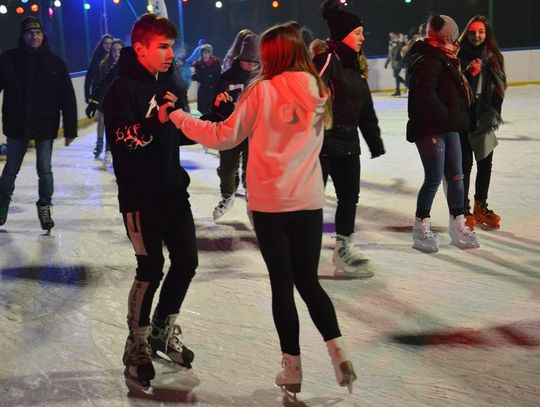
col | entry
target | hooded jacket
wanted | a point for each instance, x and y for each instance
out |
(37, 87)
(352, 105)
(437, 99)
(283, 118)
(145, 152)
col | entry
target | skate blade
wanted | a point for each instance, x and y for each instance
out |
(425, 250)
(289, 398)
(138, 388)
(161, 357)
(488, 226)
(349, 376)
(355, 275)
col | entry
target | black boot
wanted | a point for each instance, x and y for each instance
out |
(44, 215)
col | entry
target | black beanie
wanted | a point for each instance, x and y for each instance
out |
(30, 23)
(340, 22)
(250, 49)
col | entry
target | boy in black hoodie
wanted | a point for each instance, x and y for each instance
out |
(152, 192)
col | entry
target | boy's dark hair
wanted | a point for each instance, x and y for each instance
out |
(149, 26)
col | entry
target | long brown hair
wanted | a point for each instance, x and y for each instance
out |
(282, 50)
(491, 42)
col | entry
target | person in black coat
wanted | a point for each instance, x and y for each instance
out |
(438, 106)
(152, 194)
(207, 70)
(352, 108)
(93, 74)
(37, 88)
(233, 81)
(483, 65)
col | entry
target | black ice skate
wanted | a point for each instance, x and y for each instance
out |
(138, 360)
(4, 208)
(166, 338)
(44, 215)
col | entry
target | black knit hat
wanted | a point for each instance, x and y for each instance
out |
(340, 22)
(30, 23)
(250, 49)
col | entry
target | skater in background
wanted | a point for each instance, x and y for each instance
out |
(152, 193)
(483, 64)
(283, 114)
(37, 90)
(233, 81)
(395, 44)
(439, 100)
(235, 48)
(106, 68)
(352, 108)
(207, 70)
(92, 78)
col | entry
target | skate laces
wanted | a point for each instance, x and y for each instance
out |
(173, 338)
(140, 354)
(426, 231)
(44, 213)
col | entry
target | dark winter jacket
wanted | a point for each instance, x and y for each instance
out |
(486, 111)
(145, 152)
(99, 92)
(37, 87)
(352, 106)
(234, 80)
(437, 98)
(93, 74)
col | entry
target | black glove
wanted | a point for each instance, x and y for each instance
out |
(91, 108)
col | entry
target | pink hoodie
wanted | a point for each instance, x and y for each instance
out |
(284, 120)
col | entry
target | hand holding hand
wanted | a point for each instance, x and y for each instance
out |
(222, 97)
(167, 106)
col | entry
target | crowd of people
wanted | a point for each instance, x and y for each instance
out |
(289, 109)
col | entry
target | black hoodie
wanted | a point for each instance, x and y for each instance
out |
(145, 152)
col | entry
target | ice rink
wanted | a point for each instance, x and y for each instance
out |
(455, 328)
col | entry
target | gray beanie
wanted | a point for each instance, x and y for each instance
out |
(250, 49)
(442, 28)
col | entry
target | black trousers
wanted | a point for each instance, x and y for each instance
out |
(290, 243)
(483, 172)
(148, 230)
(345, 174)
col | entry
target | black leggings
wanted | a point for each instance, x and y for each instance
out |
(483, 173)
(290, 244)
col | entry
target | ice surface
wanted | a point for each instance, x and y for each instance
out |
(456, 328)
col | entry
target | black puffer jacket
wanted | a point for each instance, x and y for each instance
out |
(437, 100)
(352, 106)
(37, 87)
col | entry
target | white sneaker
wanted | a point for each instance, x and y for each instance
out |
(348, 259)
(462, 236)
(223, 207)
(423, 238)
(107, 160)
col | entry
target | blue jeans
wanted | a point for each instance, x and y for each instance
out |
(16, 150)
(440, 155)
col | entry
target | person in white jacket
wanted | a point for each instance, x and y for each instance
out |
(283, 114)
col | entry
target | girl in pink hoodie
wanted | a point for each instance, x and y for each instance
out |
(283, 113)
